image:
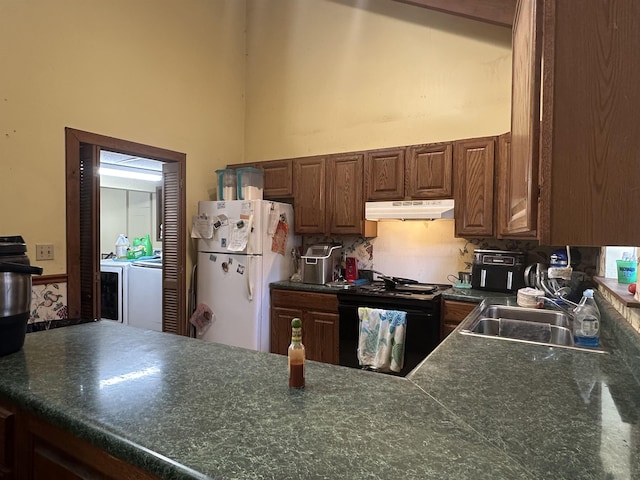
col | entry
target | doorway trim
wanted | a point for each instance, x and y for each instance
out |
(82, 151)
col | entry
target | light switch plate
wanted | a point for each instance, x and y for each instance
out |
(44, 252)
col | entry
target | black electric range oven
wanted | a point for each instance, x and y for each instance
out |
(420, 301)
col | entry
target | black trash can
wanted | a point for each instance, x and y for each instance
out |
(15, 292)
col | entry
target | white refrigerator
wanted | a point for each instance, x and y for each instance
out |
(236, 263)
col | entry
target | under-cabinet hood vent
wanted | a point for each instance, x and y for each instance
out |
(409, 210)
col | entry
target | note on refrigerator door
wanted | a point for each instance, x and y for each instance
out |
(201, 226)
(239, 235)
(274, 217)
(279, 240)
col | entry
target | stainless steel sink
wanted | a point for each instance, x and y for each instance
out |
(538, 315)
(554, 335)
(528, 325)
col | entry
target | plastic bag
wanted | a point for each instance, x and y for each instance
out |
(135, 252)
(202, 318)
(141, 248)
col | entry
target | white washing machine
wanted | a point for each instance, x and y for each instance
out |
(114, 290)
(145, 294)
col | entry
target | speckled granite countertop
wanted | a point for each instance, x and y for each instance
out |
(462, 294)
(305, 287)
(472, 295)
(475, 409)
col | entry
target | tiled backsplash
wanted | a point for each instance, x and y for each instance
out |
(48, 302)
(428, 251)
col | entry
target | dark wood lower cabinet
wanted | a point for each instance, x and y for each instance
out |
(453, 312)
(320, 323)
(7, 442)
(33, 449)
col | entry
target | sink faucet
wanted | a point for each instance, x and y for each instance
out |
(561, 303)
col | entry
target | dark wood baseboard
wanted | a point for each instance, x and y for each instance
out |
(46, 279)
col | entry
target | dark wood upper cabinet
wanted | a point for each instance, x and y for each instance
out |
(473, 170)
(345, 201)
(589, 134)
(278, 178)
(428, 171)
(384, 174)
(518, 168)
(327, 195)
(309, 195)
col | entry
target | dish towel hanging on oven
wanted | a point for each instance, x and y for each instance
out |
(381, 339)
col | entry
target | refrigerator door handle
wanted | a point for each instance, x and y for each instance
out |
(249, 283)
(250, 240)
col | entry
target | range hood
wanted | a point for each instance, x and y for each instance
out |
(409, 210)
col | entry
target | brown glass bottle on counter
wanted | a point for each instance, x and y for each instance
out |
(296, 355)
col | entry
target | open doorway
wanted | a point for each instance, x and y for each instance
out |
(131, 240)
(130, 200)
(83, 225)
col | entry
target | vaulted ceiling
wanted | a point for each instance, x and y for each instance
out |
(499, 12)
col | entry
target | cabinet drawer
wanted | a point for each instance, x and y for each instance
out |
(454, 311)
(324, 302)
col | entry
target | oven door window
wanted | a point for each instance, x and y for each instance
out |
(111, 296)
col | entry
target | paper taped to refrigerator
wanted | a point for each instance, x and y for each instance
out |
(239, 235)
(279, 239)
(201, 226)
(274, 217)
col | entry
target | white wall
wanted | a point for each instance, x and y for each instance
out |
(132, 212)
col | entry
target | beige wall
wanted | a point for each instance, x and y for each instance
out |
(166, 73)
(321, 76)
(327, 76)
(338, 75)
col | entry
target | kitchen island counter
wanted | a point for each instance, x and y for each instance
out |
(184, 408)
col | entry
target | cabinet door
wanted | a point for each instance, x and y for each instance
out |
(518, 168)
(590, 132)
(278, 178)
(7, 443)
(322, 336)
(309, 195)
(473, 166)
(281, 328)
(384, 174)
(50, 452)
(320, 327)
(428, 171)
(345, 201)
(453, 312)
(505, 214)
